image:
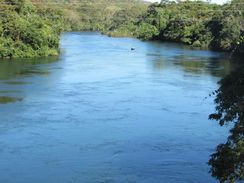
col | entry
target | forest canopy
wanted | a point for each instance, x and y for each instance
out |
(32, 28)
(196, 23)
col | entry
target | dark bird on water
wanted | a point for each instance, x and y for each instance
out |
(132, 49)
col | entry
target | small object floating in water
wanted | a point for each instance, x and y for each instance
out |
(132, 49)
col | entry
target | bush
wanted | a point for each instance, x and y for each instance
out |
(147, 31)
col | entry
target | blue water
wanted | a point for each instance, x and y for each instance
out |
(102, 113)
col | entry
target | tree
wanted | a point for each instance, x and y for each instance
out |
(147, 31)
(227, 163)
(25, 31)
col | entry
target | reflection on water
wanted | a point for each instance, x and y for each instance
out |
(5, 100)
(15, 82)
(104, 113)
(14, 73)
(9, 91)
(31, 72)
(23, 67)
(217, 65)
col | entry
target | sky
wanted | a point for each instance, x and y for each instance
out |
(213, 1)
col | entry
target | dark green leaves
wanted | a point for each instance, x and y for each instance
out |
(227, 163)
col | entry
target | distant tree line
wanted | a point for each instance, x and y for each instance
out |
(30, 28)
(196, 23)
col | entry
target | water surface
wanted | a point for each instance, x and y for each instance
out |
(101, 113)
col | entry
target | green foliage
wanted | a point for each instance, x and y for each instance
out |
(24, 32)
(197, 23)
(123, 30)
(228, 26)
(123, 21)
(31, 28)
(100, 15)
(227, 163)
(181, 22)
(147, 31)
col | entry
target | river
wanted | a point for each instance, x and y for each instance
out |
(103, 113)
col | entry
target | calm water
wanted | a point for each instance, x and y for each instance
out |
(102, 113)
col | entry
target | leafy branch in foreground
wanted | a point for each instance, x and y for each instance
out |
(227, 163)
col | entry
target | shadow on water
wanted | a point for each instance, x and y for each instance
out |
(227, 162)
(218, 67)
(24, 67)
(215, 66)
(13, 72)
(15, 82)
(199, 62)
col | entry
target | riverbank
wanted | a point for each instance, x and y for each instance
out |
(32, 29)
(198, 24)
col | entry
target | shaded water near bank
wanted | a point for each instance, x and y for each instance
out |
(102, 112)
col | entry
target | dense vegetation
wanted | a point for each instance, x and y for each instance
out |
(227, 163)
(199, 24)
(26, 31)
(94, 15)
(30, 28)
